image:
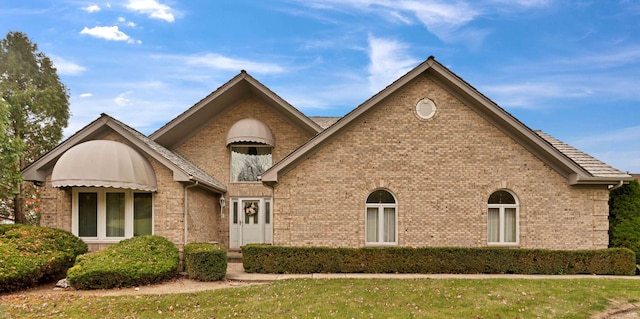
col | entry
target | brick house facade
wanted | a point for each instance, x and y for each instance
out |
(428, 161)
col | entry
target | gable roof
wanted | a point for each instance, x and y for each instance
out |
(183, 170)
(547, 151)
(238, 88)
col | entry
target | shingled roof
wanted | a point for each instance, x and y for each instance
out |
(589, 163)
(175, 158)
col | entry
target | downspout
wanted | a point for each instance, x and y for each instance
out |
(612, 187)
(186, 210)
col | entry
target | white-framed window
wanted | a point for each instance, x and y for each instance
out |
(249, 161)
(503, 219)
(381, 218)
(111, 214)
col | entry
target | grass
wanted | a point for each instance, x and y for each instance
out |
(347, 298)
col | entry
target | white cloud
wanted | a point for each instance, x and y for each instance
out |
(111, 33)
(221, 62)
(388, 61)
(108, 33)
(66, 67)
(86, 95)
(92, 8)
(152, 8)
(125, 22)
(442, 18)
(122, 99)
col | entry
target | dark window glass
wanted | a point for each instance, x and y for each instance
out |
(380, 197)
(87, 214)
(142, 214)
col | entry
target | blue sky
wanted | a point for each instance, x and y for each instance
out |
(569, 68)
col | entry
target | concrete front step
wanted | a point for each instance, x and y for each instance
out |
(234, 257)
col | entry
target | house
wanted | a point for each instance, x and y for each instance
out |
(428, 161)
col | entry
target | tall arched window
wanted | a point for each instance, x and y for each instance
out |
(502, 219)
(381, 218)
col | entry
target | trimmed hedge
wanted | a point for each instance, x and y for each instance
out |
(436, 260)
(33, 254)
(132, 262)
(205, 262)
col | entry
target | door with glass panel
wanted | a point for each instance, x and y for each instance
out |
(250, 222)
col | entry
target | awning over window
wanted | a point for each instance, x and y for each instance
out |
(102, 163)
(251, 131)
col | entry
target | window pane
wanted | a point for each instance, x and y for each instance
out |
(510, 225)
(249, 162)
(380, 196)
(235, 212)
(267, 213)
(142, 212)
(501, 197)
(115, 214)
(493, 227)
(87, 214)
(372, 224)
(389, 225)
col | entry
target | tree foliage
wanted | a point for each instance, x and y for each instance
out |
(624, 217)
(34, 111)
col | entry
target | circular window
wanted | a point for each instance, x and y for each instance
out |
(426, 109)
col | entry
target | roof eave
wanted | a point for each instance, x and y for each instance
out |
(204, 184)
(576, 179)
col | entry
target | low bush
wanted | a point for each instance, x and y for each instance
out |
(132, 262)
(275, 259)
(205, 262)
(33, 254)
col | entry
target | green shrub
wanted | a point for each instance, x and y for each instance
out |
(32, 254)
(624, 217)
(205, 262)
(132, 262)
(275, 259)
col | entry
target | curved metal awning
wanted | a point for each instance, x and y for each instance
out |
(103, 163)
(250, 130)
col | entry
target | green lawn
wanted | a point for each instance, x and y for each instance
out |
(347, 298)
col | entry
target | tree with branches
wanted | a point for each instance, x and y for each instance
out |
(34, 110)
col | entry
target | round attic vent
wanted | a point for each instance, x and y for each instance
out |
(426, 109)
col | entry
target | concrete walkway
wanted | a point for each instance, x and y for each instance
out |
(235, 271)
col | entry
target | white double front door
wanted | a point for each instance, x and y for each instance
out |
(250, 222)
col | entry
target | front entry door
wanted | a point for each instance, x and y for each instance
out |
(250, 222)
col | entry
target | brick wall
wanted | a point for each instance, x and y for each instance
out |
(441, 172)
(208, 150)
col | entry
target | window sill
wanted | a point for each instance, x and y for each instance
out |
(503, 244)
(381, 244)
(102, 241)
